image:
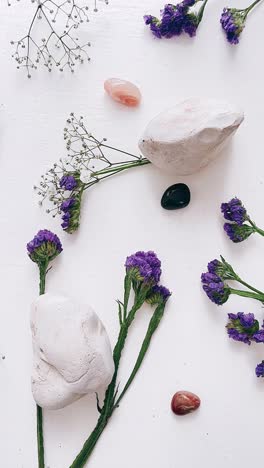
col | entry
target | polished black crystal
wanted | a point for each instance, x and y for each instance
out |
(175, 197)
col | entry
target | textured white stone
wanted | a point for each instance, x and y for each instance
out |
(71, 351)
(190, 135)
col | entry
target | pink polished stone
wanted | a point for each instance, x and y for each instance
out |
(123, 91)
(184, 402)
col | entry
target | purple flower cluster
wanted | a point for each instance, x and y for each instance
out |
(68, 182)
(258, 337)
(233, 23)
(222, 269)
(175, 20)
(45, 246)
(243, 327)
(66, 207)
(158, 294)
(145, 266)
(213, 266)
(238, 233)
(260, 369)
(145, 269)
(215, 288)
(234, 211)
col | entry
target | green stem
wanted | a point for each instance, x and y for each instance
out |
(153, 325)
(40, 439)
(41, 458)
(109, 401)
(239, 292)
(201, 11)
(252, 6)
(127, 289)
(248, 286)
(256, 228)
(259, 231)
(112, 170)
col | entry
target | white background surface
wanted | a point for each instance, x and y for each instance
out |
(191, 350)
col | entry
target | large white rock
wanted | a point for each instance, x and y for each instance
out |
(190, 135)
(71, 351)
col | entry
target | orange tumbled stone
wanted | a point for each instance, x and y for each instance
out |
(123, 91)
(184, 402)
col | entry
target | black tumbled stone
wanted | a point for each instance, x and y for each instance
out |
(175, 197)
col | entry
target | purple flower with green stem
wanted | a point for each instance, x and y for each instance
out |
(240, 226)
(158, 294)
(242, 327)
(233, 21)
(143, 271)
(176, 19)
(218, 290)
(144, 267)
(42, 249)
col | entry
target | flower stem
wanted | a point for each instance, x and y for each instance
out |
(256, 228)
(41, 458)
(201, 11)
(153, 325)
(252, 6)
(112, 170)
(111, 392)
(248, 286)
(239, 292)
(122, 167)
(40, 439)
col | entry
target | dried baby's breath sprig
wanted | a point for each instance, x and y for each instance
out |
(89, 160)
(59, 47)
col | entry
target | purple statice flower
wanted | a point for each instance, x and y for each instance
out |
(260, 370)
(71, 213)
(67, 204)
(158, 294)
(191, 24)
(258, 337)
(234, 211)
(44, 247)
(66, 217)
(233, 23)
(214, 266)
(172, 21)
(238, 336)
(242, 327)
(222, 269)
(154, 24)
(144, 266)
(188, 3)
(238, 233)
(67, 209)
(217, 291)
(68, 182)
(245, 320)
(175, 20)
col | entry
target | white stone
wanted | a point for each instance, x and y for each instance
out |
(72, 354)
(190, 135)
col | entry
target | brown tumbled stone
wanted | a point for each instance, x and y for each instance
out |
(184, 402)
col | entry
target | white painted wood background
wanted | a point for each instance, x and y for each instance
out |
(191, 350)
